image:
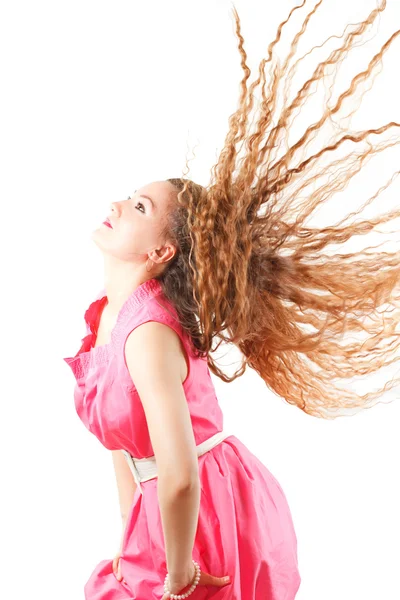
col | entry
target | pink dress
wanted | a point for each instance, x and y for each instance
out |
(245, 527)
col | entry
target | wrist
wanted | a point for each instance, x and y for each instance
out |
(182, 576)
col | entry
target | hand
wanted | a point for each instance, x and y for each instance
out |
(181, 587)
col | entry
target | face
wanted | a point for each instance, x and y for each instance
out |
(136, 225)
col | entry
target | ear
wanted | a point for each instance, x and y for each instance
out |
(163, 254)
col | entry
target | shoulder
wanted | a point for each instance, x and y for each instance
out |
(154, 336)
(153, 347)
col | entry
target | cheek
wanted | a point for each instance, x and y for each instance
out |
(138, 237)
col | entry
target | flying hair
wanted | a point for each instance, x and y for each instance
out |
(252, 271)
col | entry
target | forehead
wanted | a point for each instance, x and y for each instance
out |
(159, 192)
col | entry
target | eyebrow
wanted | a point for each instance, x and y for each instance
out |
(148, 198)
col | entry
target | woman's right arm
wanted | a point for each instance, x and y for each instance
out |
(126, 485)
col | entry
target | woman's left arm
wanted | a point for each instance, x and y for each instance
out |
(153, 357)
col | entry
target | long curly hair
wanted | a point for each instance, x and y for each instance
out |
(251, 271)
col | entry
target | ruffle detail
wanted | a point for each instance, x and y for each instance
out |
(88, 356)
(92, 315)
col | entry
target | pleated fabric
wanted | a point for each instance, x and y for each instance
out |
(245, 526)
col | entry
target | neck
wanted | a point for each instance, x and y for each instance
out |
(121, 279)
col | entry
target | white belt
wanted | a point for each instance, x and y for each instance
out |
(144, 469)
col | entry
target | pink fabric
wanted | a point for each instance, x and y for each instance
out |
(245, 525)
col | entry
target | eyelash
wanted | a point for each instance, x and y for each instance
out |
(141, 204)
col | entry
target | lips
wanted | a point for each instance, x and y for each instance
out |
(107, 222)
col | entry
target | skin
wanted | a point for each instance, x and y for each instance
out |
(134, 239)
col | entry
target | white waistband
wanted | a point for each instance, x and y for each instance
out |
(144, 469)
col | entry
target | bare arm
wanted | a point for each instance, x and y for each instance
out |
(125, 483)
(153, 356)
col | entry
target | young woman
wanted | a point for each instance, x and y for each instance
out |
(234, 259)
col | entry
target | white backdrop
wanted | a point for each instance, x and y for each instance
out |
(99, 98)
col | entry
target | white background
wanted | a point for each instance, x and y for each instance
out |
(98, 99)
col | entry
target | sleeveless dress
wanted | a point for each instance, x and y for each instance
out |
(245, 526)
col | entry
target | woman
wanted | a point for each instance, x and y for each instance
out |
(183, 264)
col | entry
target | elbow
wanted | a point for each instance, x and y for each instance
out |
(188, 485)
(178, 485)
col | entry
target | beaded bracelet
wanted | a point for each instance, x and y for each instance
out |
(190, 590)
